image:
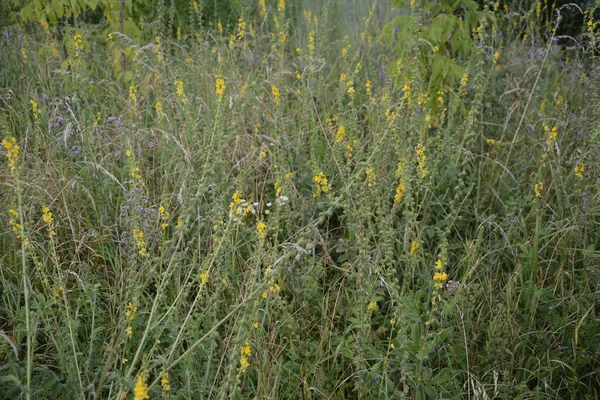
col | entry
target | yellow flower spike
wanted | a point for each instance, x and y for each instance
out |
(261, 230)
(140, 392)
(164, 381)
(414, 246)
(341, 134)
(219, 87)
(204, 277)
(159, 110)
(132, 93)
(275, 91)
(12, 153)
(579, 169)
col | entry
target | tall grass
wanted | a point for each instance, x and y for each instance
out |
(280, 209)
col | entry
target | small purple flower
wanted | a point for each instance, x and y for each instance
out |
(450, 35)
(555, 41)
(7, 34)
(395, 33)
(74, 150)
(584, 199)
(114, 120)
(378, 378)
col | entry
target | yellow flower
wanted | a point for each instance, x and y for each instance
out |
(371, 177)
(138, 236)
(140, 392)
(399, 193)
(321, 184)
(129, 331)
(264, 295)
(164, 381)
(12, 152)
(275, 91)
(219, 87)
(34, 108)
(341, 134)
(132, 93)
(281, 5)
(421, 159)
(496, 56)
(204, 277)
(180, 91)
(465, 80)
(414, 246)
(372, 305)
(261, 230)
(579, 169)
(48, 219)
(538, 188)
(159, 110)
(255, 325)
(245, 352)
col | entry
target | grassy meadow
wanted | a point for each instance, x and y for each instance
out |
(314, 200)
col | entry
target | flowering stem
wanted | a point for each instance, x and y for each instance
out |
(25, 292)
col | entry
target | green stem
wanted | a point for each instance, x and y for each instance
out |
(25, 292)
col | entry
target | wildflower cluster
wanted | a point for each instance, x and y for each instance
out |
(401, 183)
(204, 277)
(12, 153)
(276, 95)
(77, 45)
(239, 36)
(132, 93)
(138, 236)
(579, 169)
(421, 161)
(16, 227)
(341, 134)
(49, 220)
(322, 185)
(371, 177)
(414, 246)
(164, 381)
(140, 392)
(245, 352)
(180, 92)
(164, 217)
(439, 280)
(159, 110)
(538, 188)
(261, 231)
(35, 109)
(219, 87)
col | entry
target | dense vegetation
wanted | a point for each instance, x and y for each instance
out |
(314, 200)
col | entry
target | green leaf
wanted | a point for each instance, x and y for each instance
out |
(58, 8)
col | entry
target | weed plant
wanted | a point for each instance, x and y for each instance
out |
(285, 207)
